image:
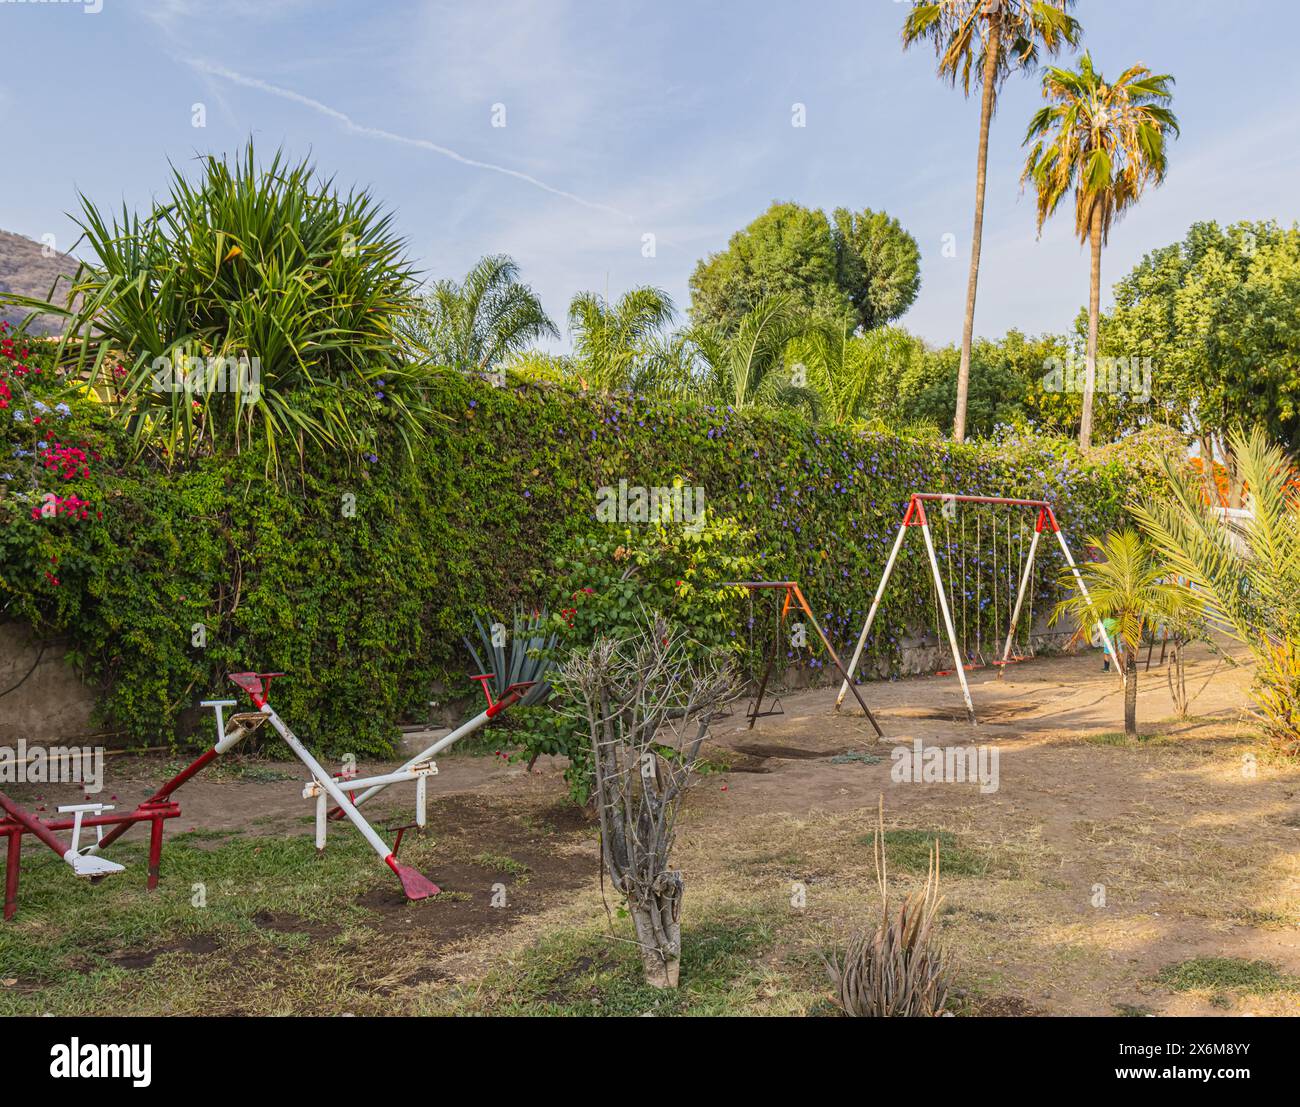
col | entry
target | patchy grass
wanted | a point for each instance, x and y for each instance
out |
(593, 973)
(72, 947)
(499, 862)
(254, 770)
(1121, 740)
(909, 851)
(860, 756)
(1227, 974)
(1133, 1010)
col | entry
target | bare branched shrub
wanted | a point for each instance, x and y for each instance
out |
(899, 970)
(648, 705)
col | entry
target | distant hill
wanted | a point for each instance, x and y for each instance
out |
(25, 270)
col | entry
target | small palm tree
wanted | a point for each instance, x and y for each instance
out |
(853, 374)
(1106, 143)
(1244, 570)
(1134, 592)
(613, 344)
(987, 40)
(475, 325)
(747, 367)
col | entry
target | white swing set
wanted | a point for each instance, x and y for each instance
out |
(916, 516)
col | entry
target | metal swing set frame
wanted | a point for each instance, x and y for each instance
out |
(791, 595)
(917, 517)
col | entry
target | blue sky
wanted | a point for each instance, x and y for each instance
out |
(622, 119)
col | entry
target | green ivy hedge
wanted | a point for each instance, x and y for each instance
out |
(358, 578)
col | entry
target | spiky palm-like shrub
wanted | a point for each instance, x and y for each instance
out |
(897, 970)
(266, 268)
(1244, 571)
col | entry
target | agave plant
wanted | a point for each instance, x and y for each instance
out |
(254, 303)
(1244, 570)
(526, 657)
(898, 970)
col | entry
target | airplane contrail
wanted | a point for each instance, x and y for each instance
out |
(390, 136)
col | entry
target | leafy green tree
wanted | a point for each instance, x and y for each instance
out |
(987, 40)
(878, 265)
(1216, 315)
(862, 265)
(475, 325)
(1105, 142)
(1132, 590)
(1006, 387)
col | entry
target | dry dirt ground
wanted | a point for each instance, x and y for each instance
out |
(1095, 863)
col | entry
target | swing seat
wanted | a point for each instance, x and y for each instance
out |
(91, 865)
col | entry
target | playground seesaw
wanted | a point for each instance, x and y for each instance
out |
(85, 861)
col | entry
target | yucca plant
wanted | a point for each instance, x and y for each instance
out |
(1134, 591)
(525, 655)
(268, 268)
(897, 970)
(1245, 572)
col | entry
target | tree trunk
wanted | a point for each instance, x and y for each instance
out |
(1207, 470)
(661, 945)
(1235, 490)
(1176, 674)
(1130, 693)
(1094, 317)
(987, 99)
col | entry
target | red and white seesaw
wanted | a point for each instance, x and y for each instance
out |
(86, 862)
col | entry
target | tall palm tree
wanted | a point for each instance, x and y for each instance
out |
(1133, 590)
(614, 343)
(1106, 142)
(474, 325)
(987, 40)
(748, 366)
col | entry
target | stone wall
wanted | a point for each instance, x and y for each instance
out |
(52, 702)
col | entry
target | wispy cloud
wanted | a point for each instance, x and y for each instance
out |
(391, 136)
